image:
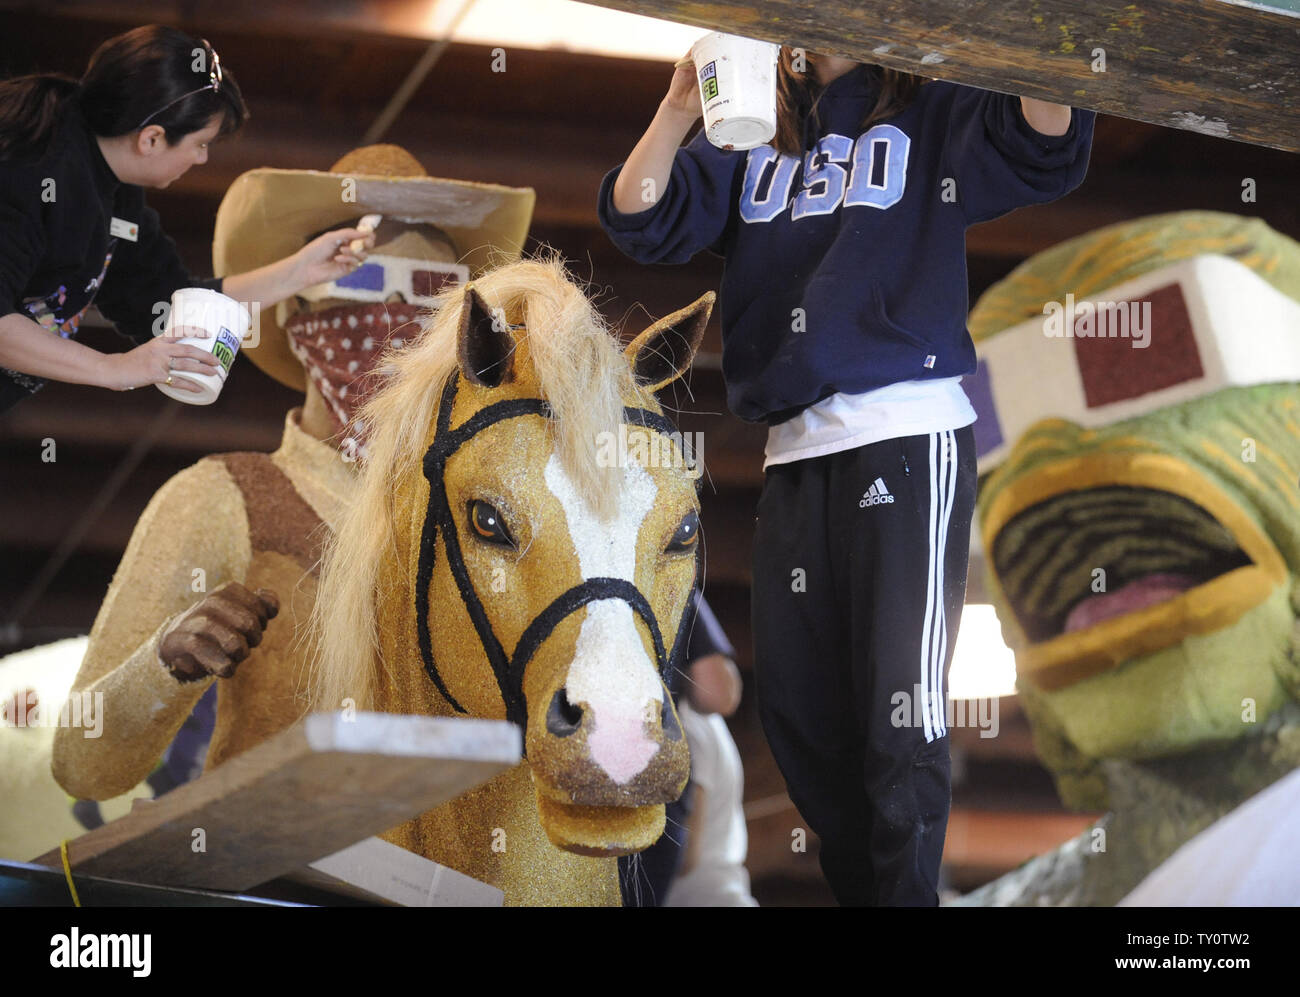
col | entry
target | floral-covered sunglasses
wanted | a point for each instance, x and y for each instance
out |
(381, 276)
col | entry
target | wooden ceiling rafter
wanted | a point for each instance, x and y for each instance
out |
(1209, 66)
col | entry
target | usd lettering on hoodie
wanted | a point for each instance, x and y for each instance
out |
(846, 269)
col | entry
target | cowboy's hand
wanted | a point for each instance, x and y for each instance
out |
(330, 256)
(154, 362)
(215, 634)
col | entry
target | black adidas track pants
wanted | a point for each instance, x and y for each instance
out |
(859, 579)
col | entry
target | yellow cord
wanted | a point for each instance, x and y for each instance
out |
(67, 872)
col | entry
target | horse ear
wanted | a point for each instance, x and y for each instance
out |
(661, 354)
(485, 348)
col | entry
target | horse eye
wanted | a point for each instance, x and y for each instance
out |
(687, 534)
(488, 524)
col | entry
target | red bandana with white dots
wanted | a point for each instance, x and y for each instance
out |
(340, 350)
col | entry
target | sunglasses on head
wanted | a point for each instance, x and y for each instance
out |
(213, 84)
(380, 276)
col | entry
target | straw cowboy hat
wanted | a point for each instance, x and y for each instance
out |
(267, 214)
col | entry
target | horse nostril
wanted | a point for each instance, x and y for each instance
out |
(668, 721)
(563, 718)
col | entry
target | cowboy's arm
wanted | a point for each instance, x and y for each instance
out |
(191, 538)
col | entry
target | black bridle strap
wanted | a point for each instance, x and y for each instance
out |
(509, 671)
(591, 590)
(650, 420)
(447, 443)
(423, 575)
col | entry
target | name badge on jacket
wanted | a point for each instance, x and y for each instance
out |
(120, 228)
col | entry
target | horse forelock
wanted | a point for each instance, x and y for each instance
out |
(568, 353)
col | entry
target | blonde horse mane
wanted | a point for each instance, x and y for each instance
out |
(583, 375)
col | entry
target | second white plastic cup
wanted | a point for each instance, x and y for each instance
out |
(227, 322)
(737, 78)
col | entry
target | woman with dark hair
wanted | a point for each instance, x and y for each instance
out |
(75, 156)
(843, 304)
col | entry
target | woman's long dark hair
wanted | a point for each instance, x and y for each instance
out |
(129, 78)
(797, 91)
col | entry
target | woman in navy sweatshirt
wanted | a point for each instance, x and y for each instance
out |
(843, 304)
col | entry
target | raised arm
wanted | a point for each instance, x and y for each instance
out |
(30, 349)
(191, 539)
(1007, 152)
(327, 257)
(670, 201)
(652, 158)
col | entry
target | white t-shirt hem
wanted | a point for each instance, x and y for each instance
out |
(835, 424)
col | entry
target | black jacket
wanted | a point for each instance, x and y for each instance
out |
(58, 250)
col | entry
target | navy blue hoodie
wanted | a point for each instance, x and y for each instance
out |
(846, 271)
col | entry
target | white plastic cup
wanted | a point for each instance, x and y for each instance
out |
(737, 79)
(227, 323)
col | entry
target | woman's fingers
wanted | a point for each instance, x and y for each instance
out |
(185, 359)
(354, 244)
(183, 351)
(684, 89)
(157, 360)
(350, 255)
(190, 352)
(357, 238)
(354, 241)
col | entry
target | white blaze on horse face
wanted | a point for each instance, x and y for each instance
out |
(611, 672)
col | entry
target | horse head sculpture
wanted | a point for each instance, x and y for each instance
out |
(523, 548)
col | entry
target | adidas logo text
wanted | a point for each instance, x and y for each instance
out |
(877, 494)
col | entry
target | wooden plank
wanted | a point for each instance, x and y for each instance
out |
(1210, 66)
(310, 791)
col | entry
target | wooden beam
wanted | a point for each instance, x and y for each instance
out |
(343, 21)
(312, 790)
(468, 121)
(1208, 66)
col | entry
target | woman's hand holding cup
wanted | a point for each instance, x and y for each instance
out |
(157, 360)
(684, 90)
